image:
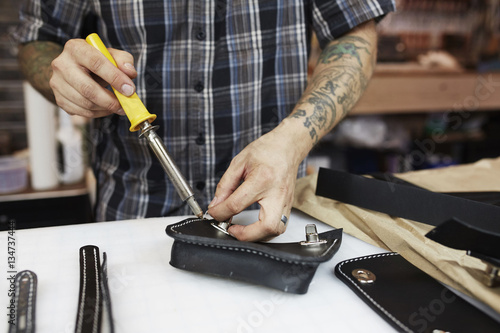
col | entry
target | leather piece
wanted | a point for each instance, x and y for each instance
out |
(25, 302)
(419, 205)
(460, 235)
(290, 267)
(89, 313)
(409, 299)
(488, 197)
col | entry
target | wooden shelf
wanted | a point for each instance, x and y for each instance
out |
(408, 89)
(60, 191)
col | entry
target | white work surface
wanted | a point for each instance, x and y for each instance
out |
(149, 295)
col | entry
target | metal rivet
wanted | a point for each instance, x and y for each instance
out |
(222, 226)
(312, 237)
(364, 276)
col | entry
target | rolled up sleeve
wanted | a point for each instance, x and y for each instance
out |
(333, 18)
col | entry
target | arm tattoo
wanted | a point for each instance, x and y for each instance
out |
(347, 47)
(336, 87)
(35, 60)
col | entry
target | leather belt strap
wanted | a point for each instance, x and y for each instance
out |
(489, 197)
(406, 201)
(25, 300)
(88, 318)
(475, 224)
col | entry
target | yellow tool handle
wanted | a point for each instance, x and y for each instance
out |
(133, 106)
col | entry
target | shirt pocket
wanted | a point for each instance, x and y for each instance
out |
(256, 25)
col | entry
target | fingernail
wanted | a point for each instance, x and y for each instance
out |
(129, 66)
(213, 202)
(120, 112)
(127, 89)
(229, 231)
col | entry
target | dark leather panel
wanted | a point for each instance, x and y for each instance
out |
(409, 299)
(290, 267)
(461, 223)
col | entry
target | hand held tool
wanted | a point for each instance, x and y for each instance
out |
(141, 119)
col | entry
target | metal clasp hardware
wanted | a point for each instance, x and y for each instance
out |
(312, 237)
(222, 226)
(364, 276)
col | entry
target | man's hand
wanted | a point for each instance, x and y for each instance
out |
(267, 168)
(80, 73)
(74, 77)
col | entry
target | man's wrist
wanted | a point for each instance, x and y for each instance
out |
(296, 137)
(35, 60)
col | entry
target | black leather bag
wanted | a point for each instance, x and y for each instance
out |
(290, 267)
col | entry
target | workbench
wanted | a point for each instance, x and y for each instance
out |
(149, 295)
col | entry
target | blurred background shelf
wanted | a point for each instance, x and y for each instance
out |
(402, 88)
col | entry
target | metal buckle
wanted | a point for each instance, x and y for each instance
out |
(312, 237)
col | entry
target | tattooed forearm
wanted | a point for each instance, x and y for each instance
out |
(340, 78)
(337, 88)
(348, 46)
(35, 59)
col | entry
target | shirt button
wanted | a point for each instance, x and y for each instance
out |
(200, 185)
(201, 35)
(200, 140)
(199, 87)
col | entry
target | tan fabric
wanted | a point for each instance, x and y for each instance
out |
(452, 267)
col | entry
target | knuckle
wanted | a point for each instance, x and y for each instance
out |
(95, 63)
(267, 174)
(55, 64)
(61, 103)
(115, 79)
(233, 207)
(88, 91)
(87, 104)
(112, 106)
(52, 84)
(72, 44)
(271, 230)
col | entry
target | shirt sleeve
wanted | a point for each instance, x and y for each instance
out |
(50, 20)
(333, 18)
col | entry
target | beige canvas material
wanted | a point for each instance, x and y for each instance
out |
(452, 267)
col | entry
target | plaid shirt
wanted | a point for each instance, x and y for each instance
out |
(218, 74)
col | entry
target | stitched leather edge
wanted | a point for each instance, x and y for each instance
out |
(246, 249)
(81, 306)
(390, 316)
(30, 307)
(260, 253)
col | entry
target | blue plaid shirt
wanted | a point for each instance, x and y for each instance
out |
(218, 74)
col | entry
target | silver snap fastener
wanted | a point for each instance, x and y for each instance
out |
(364, 276)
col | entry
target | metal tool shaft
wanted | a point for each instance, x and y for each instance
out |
(168, 164)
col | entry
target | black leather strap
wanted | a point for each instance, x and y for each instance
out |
(409, 299)
(25, 301)
(199, 247)
(420, 205)
(488, 197)
(88, 318)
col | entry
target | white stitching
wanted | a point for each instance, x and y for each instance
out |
(238, 249)
(98, 294)
(258, 252)
(29, 327)
(400, 324)
(84, 288)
